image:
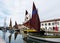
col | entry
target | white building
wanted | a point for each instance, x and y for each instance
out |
(49, 24)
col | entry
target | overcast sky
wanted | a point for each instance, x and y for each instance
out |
(15, 9)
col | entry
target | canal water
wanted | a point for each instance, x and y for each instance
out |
(19, 38)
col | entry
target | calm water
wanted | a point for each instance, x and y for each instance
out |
(19, 38)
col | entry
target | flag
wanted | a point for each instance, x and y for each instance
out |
(35, 21)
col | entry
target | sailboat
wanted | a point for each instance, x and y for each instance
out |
(12, 31)
(34, 24)
(10, 27)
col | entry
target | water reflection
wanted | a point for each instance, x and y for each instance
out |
(16, 33)
(10, 38)
(18, 37)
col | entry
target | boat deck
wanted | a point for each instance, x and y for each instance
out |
(46, 39)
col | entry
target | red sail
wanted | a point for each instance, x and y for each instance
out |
(27, 24)
(35, 21)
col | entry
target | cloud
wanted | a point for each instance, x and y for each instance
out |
(15, 9)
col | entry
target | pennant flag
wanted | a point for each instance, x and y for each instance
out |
(10, 24)
(35, 21)
(16, 26)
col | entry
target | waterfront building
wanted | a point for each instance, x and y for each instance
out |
(50, 24)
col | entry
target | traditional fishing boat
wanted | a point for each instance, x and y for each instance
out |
(36, 33)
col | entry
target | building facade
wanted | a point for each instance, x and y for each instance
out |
(49, 24)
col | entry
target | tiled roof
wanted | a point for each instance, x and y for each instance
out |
(51, 20)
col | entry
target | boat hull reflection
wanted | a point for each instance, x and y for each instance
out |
(18, 38)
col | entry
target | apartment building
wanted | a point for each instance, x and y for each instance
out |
(49, 24)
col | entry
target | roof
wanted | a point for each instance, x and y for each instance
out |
(51, 20)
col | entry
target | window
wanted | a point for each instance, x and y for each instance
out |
(42, 24)
(52, 23)
(45, 24)
(49, 23)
